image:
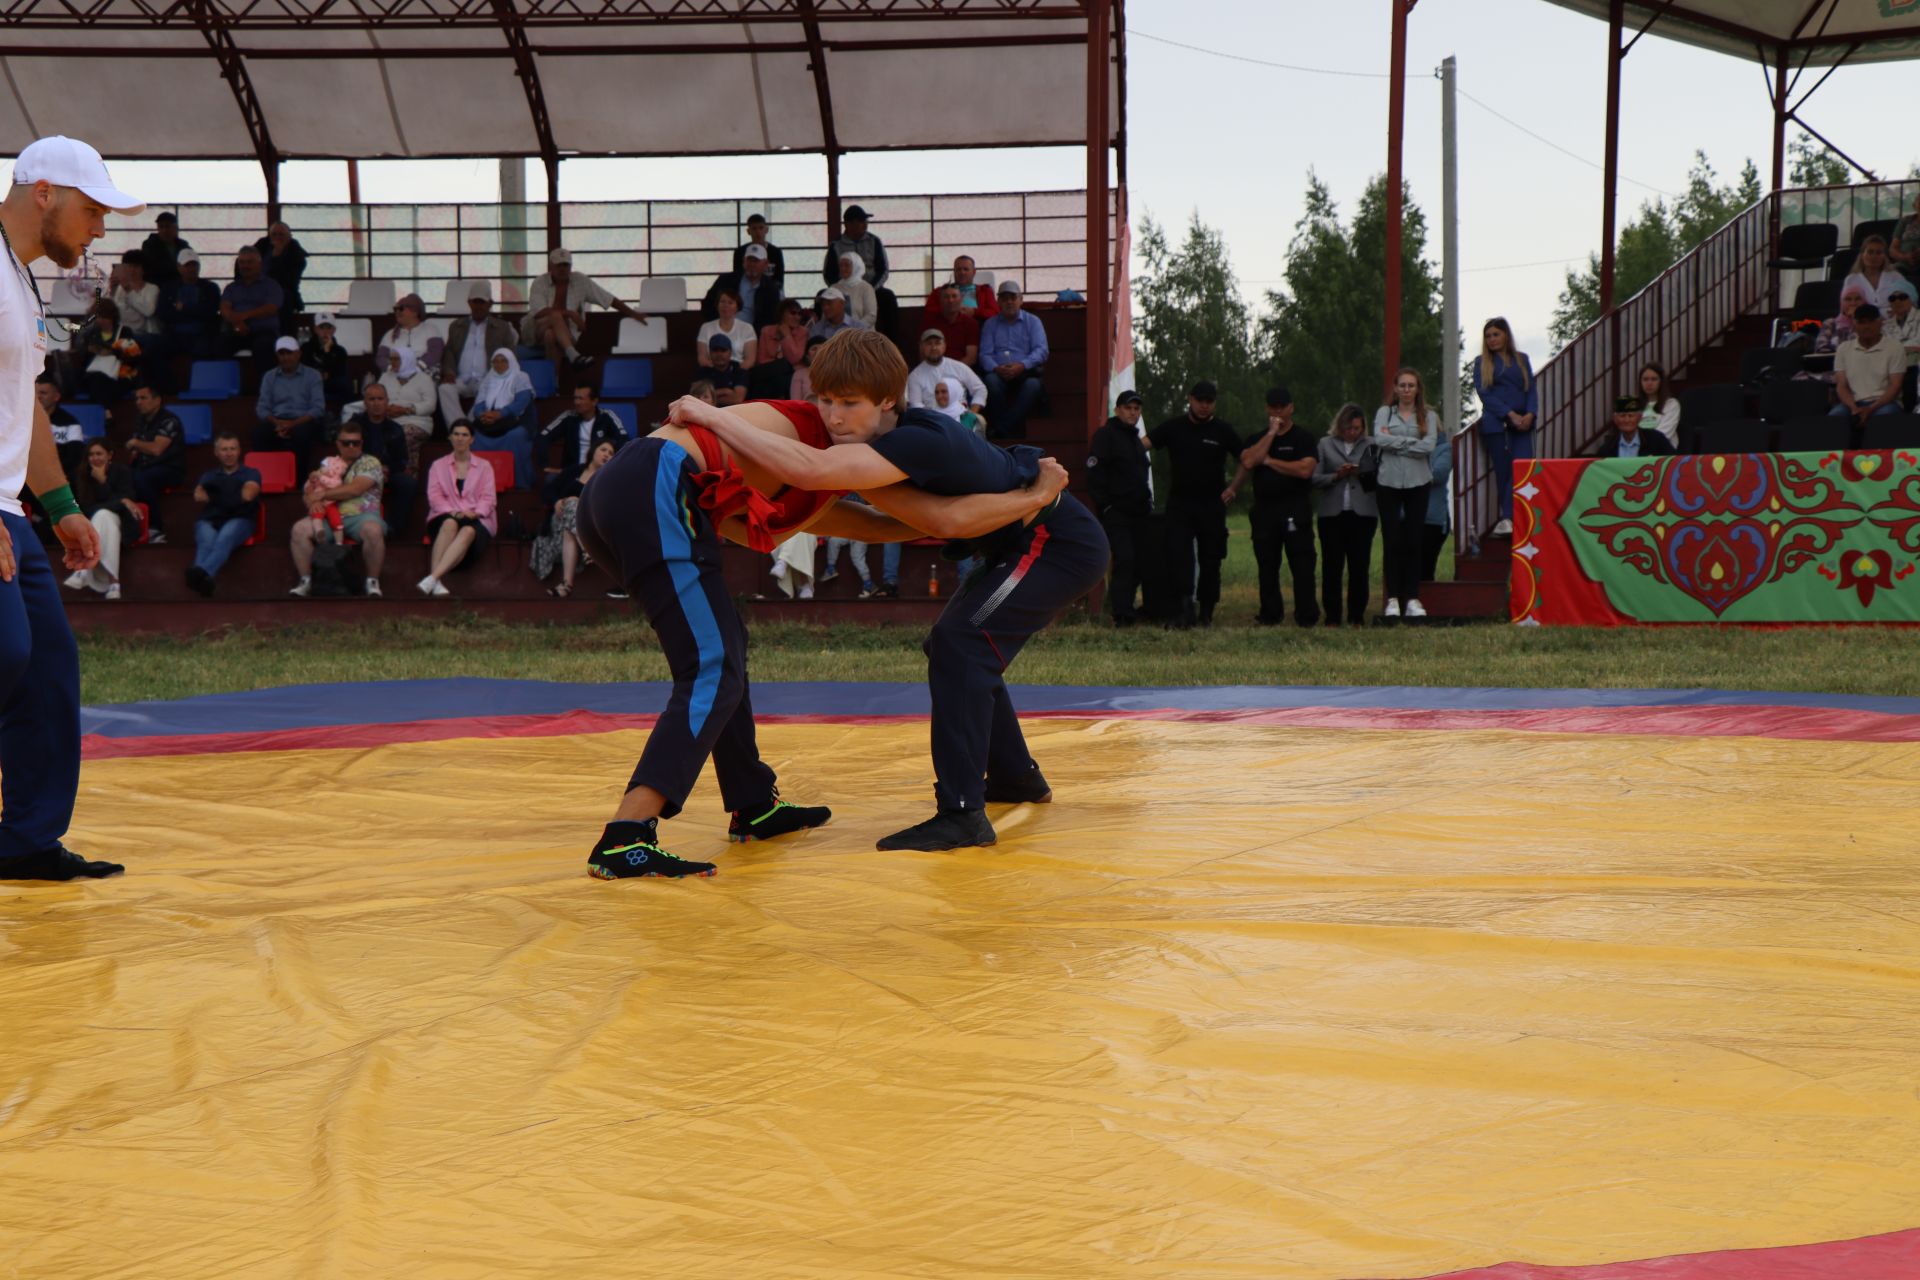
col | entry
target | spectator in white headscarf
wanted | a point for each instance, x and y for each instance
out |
(502, 414)
(862, 303)
(411, 398)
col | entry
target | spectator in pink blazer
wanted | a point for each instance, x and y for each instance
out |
(461, 509)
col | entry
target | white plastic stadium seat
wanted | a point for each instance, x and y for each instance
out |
(64, 300)
(637, 339)
(662, 295)
(369, 298)
(354, 334)
(983, 277)
(455, 303)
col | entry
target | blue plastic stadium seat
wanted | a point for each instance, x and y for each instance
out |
(198, 421)
(539, 371)
(628, 414)
(93, 419)
(627, 378)
(213, 380)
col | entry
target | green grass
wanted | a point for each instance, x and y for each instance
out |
(1075, 651)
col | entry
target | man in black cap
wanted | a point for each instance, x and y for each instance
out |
(1627, 440)
(1281, 460)
(1200, 448)
(855, 238)
(160, 252)
(1120, 482)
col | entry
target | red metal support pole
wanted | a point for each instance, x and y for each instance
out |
(1779, 119)
(1396, 134)
(1610, 182)
(552, 163)
(1099, 285)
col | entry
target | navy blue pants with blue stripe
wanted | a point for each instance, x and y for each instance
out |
(641, 518)
(39, 702)
(976, 733)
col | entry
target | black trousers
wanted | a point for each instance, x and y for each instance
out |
(1432, 542)
(1403, 523)
(298, 441)
(976, 733)
(153, 480)
(1196, 544)
(1128, 537)
(1277, 533)
(1346, 552)
(641, 518)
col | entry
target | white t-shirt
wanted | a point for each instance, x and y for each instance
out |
(740, 335)
(23, 354)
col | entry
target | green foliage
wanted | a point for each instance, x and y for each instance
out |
(1812, 164)
(1657, 238)
(1190, 323)
(1324, 334)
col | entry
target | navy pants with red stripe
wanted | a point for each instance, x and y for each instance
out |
(975, 730)
(640, 517)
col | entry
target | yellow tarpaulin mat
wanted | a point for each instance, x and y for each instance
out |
(1246, 1002)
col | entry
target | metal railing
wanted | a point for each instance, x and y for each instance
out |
(1670, 322)
(1037, 237)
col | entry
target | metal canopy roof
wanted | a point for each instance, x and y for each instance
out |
(1816, 32)
(341, 79)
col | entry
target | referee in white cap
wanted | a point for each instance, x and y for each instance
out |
(58, 205)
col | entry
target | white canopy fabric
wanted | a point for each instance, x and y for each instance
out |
(1819, 32)
(141, 79)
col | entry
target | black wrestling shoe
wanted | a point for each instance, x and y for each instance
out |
(1029, 788)
(628, 851)
(947, 829)
(57, 863)
(777, 818)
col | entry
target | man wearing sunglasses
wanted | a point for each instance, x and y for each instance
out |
(57, 206)
(357, 500)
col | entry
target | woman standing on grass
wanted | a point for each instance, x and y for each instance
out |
(1509, 411)
(1343, 473)
(1405, 432)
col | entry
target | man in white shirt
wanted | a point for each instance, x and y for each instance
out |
(471, 342)
(557, 310)
(137, 299)
(935, 367)
(1869, 369)
(1903, 326)
(58, 204)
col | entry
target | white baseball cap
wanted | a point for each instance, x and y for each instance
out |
(756, 251)
(325, 318)
(561, 257)
(828, 295)
(69, 162)
(186, 256)
(286, 344)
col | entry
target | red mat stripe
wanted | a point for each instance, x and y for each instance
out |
(1807, 723)
(1888, 1257)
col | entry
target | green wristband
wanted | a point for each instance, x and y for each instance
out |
(59, 504)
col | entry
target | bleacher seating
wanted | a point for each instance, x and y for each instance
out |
(1816, 300)
(212, 380)
(1806, 247)
(1788, 399)
(1716, 402)
(354, 334)
(1892, 431)
(1768, 364)
(93, 419)
(1882, 227)
(1815, 435)
(628, 414)
(541, 373)
(662, 296)
(196, 420)
(276, 471)
(628, 377)
(1840, 265)
(502, 464)
(1740, 436)
(369, 298)
(638, 339)
(455, 301)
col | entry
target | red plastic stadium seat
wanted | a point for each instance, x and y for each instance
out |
(259, 534)
(502, 464)
(276, 471)
(146, 519)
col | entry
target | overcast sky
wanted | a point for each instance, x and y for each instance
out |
(1235, 141)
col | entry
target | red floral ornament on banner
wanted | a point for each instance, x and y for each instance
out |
(1866, 572)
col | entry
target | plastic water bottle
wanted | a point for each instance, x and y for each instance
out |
(933, 581)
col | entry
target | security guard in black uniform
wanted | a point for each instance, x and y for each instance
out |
(1120, 482)
(1281, 461)
(1202, 451)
